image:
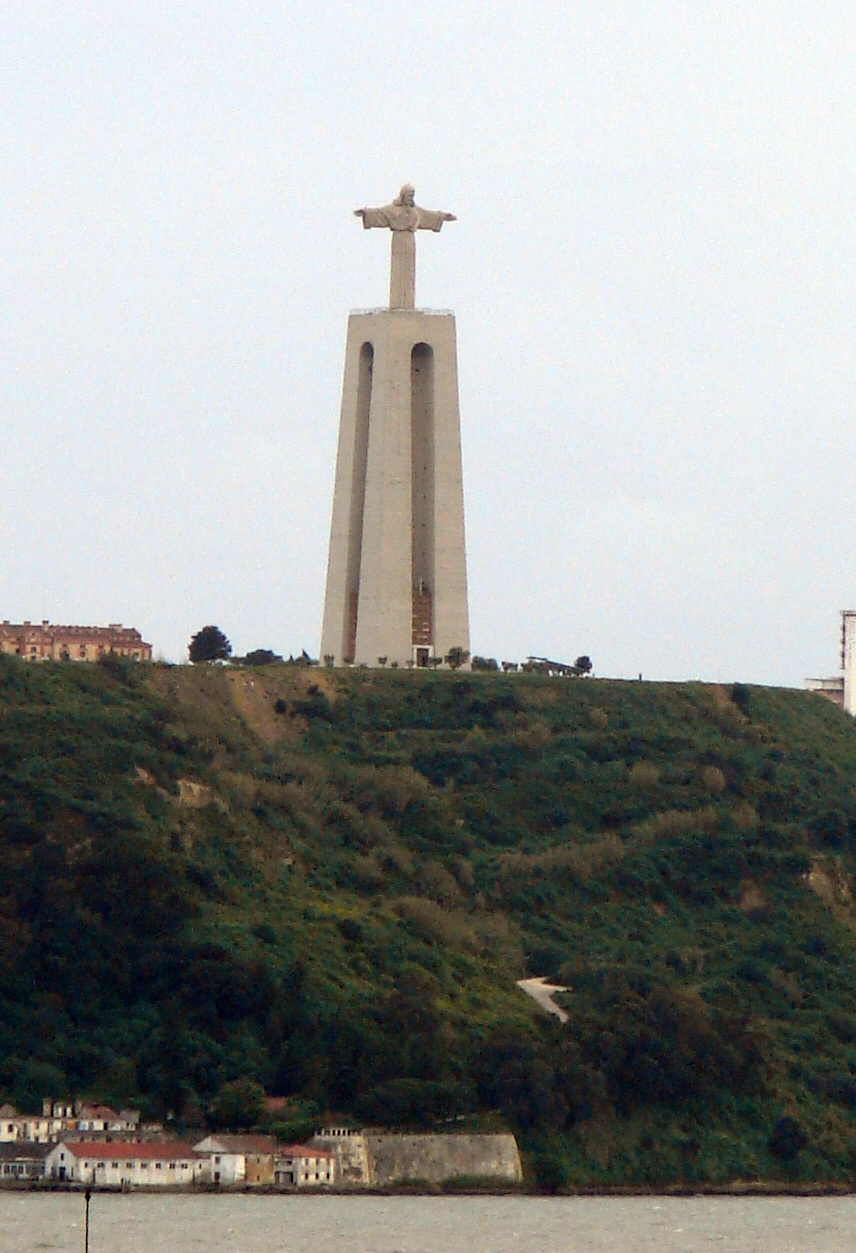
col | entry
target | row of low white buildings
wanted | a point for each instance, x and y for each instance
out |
(220, 1160)
(93, 1144)
(254, 1161)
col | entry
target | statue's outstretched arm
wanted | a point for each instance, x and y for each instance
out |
(372, 217)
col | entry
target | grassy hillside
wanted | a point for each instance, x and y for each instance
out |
(328, 883)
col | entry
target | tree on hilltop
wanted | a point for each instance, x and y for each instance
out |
(484, 663)
(209, 644)
(260, 657)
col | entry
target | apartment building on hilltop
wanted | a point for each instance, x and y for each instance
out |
(44, 642)
(60, 1119)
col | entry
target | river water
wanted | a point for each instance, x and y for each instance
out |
(276, 1224)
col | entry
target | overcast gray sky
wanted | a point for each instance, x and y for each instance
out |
(652, 271)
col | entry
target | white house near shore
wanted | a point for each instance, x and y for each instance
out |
(118, 1164)
(238, 1158)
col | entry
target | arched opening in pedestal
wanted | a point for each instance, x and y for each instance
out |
(422, 498)
(358, 496)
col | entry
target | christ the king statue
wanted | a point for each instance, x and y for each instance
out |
(404, 218)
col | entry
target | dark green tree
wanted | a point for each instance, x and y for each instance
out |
(262, 657)
(209, 644)
(485, 663)
(740, 695)
(238, 1105)
(788, 1139)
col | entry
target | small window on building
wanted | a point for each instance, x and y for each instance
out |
(144, 1165)
(172, 1165)
(115, 1165)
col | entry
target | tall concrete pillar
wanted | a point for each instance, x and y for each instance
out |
(396, 577)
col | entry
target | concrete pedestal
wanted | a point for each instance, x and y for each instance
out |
(396, 576)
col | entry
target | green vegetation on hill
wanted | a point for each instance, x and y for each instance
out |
(327, 883)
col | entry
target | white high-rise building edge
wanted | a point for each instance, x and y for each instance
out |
(848, 658)
(841, 688)
(396, 574)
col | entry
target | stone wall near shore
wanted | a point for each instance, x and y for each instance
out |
(436, 1158)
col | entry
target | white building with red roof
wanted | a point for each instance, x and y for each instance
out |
(239, 1158)
(118, 1164)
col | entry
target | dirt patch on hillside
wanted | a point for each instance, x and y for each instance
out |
(254, 698)
(752, 899)
(202, 692)
(193, 795)
(230, 701)
(255, 694)
(832, 885)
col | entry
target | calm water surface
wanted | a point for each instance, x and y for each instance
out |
(244, 1224)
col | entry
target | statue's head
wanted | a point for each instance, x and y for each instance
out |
(406, 195)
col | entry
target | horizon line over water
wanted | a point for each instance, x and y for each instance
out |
(242, 1223)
